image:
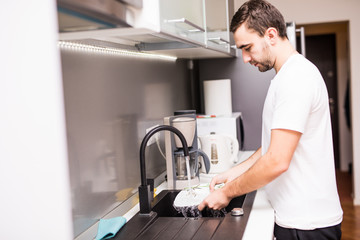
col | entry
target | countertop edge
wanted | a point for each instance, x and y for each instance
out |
(261, 216)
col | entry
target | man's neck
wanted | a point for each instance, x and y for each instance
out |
(283, 51)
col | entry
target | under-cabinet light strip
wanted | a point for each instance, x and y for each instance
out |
(109, 50)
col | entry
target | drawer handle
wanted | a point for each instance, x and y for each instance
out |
(183, 20)
(218, 40)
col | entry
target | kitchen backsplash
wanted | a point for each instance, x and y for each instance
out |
(109, 102)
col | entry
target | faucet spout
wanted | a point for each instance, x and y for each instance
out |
(145, 195)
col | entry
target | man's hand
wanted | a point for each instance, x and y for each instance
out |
(225, 177)
(218, 179)
(216, 200)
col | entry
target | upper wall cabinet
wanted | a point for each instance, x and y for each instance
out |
(217, 15)
(184, 19)
(189, 29)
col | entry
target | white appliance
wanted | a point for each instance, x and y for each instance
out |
(222, 151)
(231, 125)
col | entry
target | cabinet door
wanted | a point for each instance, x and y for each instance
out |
(183, 18)
(217, 24)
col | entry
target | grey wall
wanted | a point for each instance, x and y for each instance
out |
(109, 102)
(248, 90)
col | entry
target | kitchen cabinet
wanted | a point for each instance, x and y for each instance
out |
(167, 27)
(184, 19)
(218, 15)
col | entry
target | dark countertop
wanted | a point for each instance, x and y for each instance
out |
(153, 226)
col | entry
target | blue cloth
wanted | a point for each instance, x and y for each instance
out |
(109, 227)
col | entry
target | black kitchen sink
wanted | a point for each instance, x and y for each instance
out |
(164, 222)
(163, 205)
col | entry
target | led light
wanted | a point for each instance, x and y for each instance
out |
(109, 50)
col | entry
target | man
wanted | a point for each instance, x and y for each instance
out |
(295, 160)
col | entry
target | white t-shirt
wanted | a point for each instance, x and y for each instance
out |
(305, 196)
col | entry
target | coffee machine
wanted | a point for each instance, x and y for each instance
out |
(177, 174)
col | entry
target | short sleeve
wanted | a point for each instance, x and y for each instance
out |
(293, 103)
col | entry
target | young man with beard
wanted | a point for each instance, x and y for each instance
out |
(295, 163)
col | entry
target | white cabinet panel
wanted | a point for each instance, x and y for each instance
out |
(217, 24)
(183, 18)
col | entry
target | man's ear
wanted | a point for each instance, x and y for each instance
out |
(271, 34)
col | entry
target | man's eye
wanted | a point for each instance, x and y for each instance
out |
(247, 49)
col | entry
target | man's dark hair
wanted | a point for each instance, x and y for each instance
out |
(259, 15)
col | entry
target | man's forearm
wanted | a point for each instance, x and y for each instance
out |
(244, 166)
(258, 175)
(269, 166)
(255, 172)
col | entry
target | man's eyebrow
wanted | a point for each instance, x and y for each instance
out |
(244, 45)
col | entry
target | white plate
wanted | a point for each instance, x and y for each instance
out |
(187, 198)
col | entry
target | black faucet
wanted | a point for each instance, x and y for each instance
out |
(145, 195)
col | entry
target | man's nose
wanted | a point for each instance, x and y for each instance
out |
(246, 57)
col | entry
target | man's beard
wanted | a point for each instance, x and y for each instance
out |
(265, 64)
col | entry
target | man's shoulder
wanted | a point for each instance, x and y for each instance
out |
(300, 67)
(298, 61)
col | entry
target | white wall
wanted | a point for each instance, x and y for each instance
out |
(34, 182)
(321, 11)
